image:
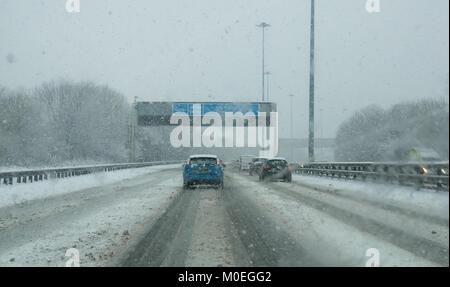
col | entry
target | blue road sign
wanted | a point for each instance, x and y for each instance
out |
(220, 108)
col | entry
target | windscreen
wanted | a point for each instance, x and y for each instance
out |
(206, 133)
(277, 163)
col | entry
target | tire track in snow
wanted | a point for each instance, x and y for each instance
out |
(265, 242)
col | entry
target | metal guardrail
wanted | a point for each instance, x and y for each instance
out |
(29, 176)
(431, 175)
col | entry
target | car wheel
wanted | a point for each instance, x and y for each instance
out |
(219, 185)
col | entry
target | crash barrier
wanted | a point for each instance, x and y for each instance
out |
(30, 176)
(429, 175)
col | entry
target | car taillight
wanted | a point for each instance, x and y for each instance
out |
(188, 163)
(265, 166)
(289, 167)
(218, 163)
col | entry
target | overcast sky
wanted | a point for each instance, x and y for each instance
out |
(210, 50)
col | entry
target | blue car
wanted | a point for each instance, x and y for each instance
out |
(203, 169)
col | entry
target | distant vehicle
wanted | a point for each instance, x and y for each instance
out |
(203, 169)
(244, 162)
(276, 168)
(235, 164)
(255, 165)
(423, 155)
(417, 155)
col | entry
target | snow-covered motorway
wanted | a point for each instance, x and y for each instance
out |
(143, 217)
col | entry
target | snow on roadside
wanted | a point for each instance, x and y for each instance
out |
(18, 193)
(100, 237)
(429, 201)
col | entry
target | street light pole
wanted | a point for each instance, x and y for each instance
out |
(311, 89)
(292, 129)
(263, 25)
(133, 124)
(267, 85)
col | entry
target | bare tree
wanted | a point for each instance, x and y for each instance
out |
(376, 135)
(63, 122)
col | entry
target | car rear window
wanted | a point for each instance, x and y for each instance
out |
(203, 161)
(275, 163)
